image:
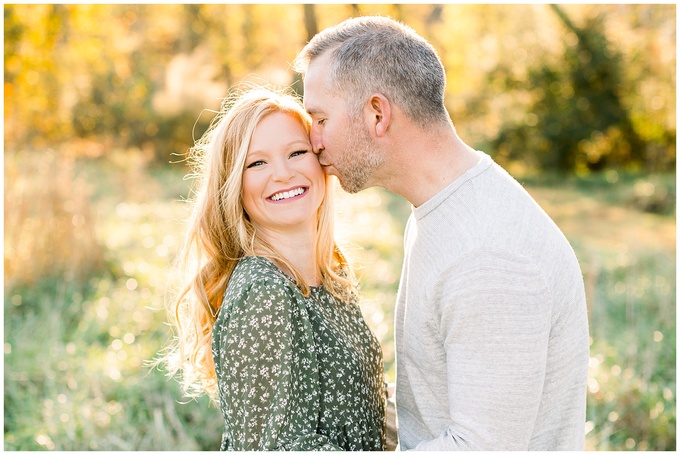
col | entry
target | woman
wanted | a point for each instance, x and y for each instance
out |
(269, 324)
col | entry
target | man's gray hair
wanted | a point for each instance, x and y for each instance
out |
(376, 54)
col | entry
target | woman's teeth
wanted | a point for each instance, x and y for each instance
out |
(287, 194)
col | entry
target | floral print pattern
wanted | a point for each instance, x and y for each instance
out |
(295, 373)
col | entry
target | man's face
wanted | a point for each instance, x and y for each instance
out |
(339, 135)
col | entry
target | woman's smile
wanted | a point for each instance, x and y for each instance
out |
(289, 195)
(283, 183)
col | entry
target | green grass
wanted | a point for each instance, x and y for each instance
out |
(77, 339)
(626, 248)
(75, 349)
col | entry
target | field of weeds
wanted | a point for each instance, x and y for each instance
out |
(88, 245)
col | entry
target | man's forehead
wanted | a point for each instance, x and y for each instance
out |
(314, 75)
(318, 72)
(314, 91)
(316, 101)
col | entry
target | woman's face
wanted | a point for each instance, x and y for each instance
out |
(283, 183)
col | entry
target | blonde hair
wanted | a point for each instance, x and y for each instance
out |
(220, 233)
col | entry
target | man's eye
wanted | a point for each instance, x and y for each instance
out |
(321, 121)
(255, 163)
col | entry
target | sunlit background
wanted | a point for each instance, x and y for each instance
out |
(102, 102)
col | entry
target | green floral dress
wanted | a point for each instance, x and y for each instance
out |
(295, 373)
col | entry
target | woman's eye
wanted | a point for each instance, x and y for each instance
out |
(298, 153)
(255, 164)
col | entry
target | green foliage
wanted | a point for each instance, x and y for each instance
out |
(653, 193)
(526, 79)
(578, 120)
(634, 353)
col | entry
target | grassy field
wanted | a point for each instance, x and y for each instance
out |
(87, 251)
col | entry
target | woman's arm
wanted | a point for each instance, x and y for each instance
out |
(269, 389)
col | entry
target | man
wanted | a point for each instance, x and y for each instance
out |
(491, 327)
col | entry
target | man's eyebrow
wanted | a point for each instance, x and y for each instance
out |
(313, 110)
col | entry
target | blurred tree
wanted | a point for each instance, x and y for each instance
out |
(34, 45)
(595, 72)
(578, 119)
(311, 26)
(311, 29)
(523, 80)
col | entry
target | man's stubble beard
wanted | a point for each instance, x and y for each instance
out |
(360, 161)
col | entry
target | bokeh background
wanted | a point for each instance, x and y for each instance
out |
(101, 103)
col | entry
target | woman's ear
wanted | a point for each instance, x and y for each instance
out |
(380, 113)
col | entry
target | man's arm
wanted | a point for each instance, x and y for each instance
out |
(495, 326)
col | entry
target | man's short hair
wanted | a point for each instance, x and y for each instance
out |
(377, 54)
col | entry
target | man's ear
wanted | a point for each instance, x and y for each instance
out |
(380, 114)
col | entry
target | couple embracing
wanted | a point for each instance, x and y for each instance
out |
(491, 328)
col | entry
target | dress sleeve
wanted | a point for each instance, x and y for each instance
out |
(269, 389)
(495, 326)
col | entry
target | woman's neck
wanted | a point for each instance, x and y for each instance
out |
(299, 249)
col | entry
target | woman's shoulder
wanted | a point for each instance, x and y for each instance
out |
(257, 282)
(257, 269)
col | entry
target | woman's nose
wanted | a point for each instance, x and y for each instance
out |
(282, 171)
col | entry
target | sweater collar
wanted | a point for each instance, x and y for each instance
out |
(484, 162)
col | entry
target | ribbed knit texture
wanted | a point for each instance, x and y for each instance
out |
(491, 323)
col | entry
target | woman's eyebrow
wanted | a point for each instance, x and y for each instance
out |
(300, 141)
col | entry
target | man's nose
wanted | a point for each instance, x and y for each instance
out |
(315, 139)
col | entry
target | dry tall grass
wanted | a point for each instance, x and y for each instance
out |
(49, 222)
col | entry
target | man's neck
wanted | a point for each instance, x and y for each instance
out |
(427, 163)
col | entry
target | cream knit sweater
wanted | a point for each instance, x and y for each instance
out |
(491, 324)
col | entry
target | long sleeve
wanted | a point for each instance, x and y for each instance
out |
(491, 328)
(267, 371)
(495, 327)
